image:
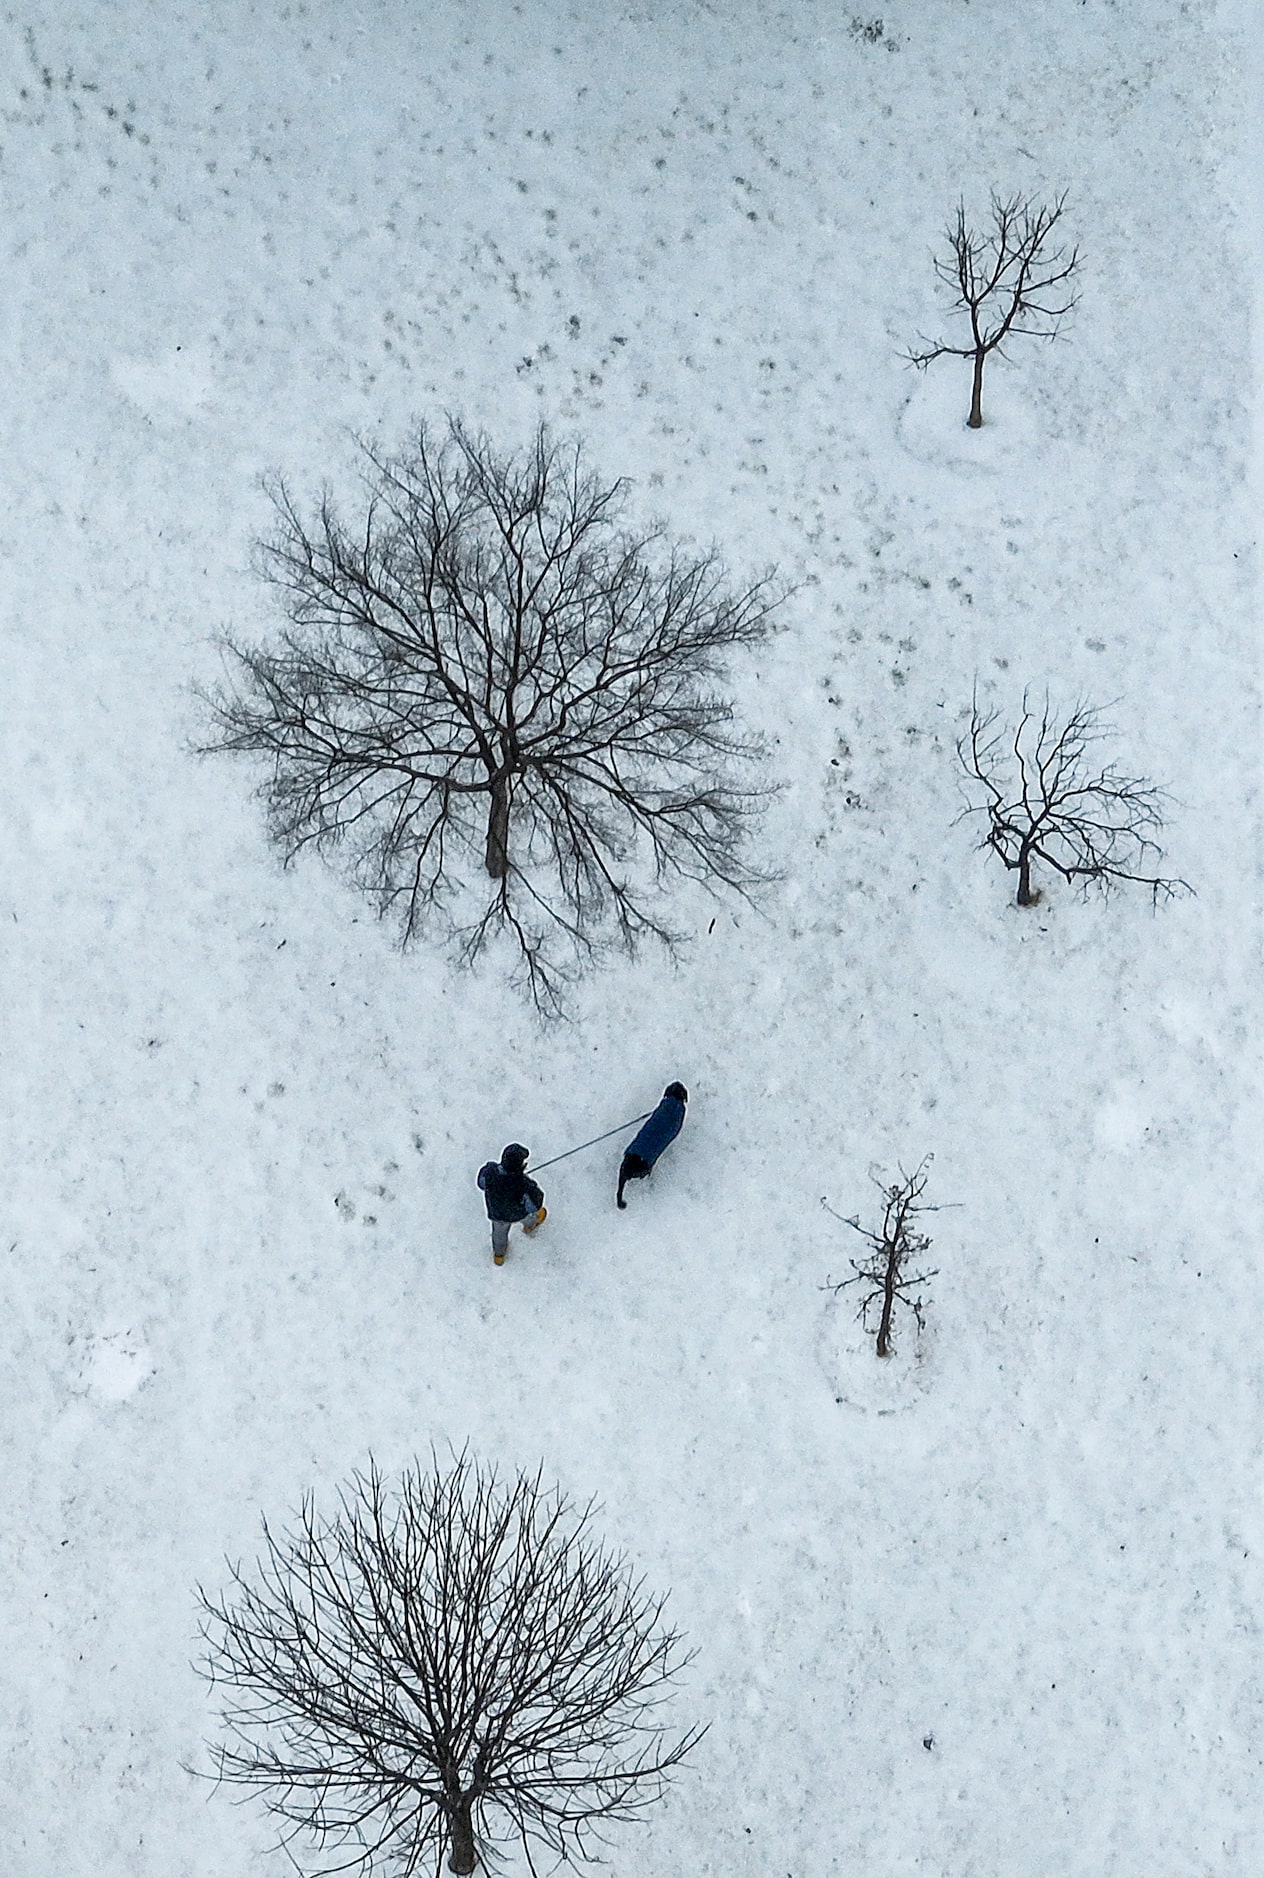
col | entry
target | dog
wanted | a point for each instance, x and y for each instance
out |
(657, 1132)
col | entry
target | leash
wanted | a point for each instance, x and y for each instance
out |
(540, 1166)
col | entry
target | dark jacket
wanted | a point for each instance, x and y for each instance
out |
(659, 1130)
(510, 1193)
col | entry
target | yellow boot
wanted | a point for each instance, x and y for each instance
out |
(538, 1221)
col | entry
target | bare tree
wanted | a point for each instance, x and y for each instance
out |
(426, 1658)
(487, 672)
(894, 1246)
(1011, 279)
(1045, 796)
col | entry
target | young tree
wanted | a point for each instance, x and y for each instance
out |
(897, 1244)
(1011, 279)
(1045, 796)
(425, 1659)
(487, 669)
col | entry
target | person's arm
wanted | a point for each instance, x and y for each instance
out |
(535, 1193)
(483, 1172)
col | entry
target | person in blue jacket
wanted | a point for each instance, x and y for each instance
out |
(656, 1132)
(512, 1197)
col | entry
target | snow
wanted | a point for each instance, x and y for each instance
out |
(244, 1244)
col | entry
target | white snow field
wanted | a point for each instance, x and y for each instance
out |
(992, 1611)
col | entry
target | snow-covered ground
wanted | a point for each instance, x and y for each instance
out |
(996, 1613)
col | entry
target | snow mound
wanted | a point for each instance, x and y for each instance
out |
(857, 1375)
(1122, 1121)
(113, 1365)
(932, 426)
(175, 383)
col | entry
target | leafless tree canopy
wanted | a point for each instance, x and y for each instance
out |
(434, 1669)
(487, 674)
(896, 1245)
(1013, 279)
(1044, 795)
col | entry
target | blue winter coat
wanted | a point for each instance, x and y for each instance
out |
(659, 1130)
(510, 1194)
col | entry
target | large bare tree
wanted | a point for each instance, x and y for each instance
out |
(433, 1669)
(488, 674)
(1045, 796)
(1012, 280)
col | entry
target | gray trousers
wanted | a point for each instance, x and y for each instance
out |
(500, 1228)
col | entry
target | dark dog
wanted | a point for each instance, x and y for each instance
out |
(657, 1132)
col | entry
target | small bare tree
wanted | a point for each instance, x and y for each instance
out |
(425, 1658)
(1045, 796)
(1012, 279)
(486, 670)
(896, 1244)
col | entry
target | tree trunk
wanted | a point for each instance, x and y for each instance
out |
(888, 1304)
(498, 829)
(462, 1857)
(975, 419)
(1025, 895)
